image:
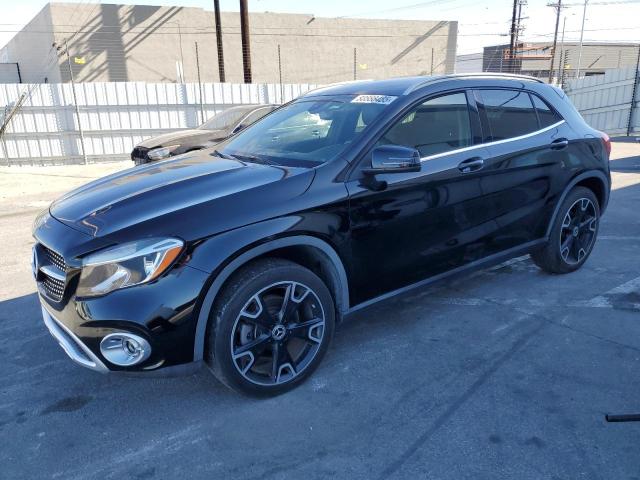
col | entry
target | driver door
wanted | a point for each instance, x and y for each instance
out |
(410, 226)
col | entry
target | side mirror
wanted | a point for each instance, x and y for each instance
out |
(393, 159)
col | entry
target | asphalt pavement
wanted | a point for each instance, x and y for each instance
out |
(504, 374)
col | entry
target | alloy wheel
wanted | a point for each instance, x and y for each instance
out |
(277, 333)
(578, 231)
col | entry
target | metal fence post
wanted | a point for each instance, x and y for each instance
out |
(280, 75)
(199, 85)
(432, 51)
(75, 102)
(634, 92)
(355, 60)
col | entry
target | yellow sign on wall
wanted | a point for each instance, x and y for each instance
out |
(79, 60)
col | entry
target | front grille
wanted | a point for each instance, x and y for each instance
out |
(56, 259)
(53, 287)
(52, 273)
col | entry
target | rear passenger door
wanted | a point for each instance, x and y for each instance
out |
(528, 144)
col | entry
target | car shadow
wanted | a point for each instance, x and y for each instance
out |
(626, 164)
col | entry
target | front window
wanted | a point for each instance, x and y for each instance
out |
(307, 132)
(436, 126)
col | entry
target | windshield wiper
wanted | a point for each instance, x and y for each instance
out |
(218, 153)
(254, 159)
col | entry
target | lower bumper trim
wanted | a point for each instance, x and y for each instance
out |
(71, 344)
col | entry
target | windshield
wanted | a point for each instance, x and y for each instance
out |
(307, 132)
(226, 119)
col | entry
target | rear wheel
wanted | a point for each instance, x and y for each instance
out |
(573, 234)
(270, 327)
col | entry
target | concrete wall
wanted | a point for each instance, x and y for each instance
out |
(9, 73)
(31, 49)
(469, 63)
(144, 43)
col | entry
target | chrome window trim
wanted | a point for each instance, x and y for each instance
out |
(489, 144)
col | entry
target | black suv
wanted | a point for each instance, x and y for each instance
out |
(248, 255)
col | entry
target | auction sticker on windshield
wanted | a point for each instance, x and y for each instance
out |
(380, 99)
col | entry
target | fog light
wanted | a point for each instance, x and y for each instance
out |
(125, 349)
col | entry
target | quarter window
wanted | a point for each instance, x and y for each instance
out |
(438, 125)
(546, 116)
(510, 113)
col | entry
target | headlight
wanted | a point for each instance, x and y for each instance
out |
(162, 152)
(126, 265)
(39, 220)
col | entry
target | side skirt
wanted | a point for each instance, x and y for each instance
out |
(465, 269)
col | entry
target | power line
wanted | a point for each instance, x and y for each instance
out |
(396, 9)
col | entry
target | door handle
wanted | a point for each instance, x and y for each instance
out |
(471, 165)
(559, 144)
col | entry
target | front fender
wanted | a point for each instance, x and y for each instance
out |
(222, 255)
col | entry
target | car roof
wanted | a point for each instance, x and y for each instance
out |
(404, 85)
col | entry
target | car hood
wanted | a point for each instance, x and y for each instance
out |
(181, 137)
(191, 195)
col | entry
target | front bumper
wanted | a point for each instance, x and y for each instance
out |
(163, 312)
(72, 345)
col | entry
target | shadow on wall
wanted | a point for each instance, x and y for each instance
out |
(108, 39)
(418, 41)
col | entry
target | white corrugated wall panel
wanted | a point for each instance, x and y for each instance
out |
(604, 101)
(116, 116)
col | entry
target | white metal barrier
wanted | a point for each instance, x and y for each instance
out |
(115, 116)
(608, 102)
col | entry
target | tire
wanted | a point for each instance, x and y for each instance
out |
(257, 343)
(573, 234)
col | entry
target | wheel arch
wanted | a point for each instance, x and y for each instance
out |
(594, 180)
(309, 251)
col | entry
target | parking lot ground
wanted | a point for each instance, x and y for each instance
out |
(504, 374)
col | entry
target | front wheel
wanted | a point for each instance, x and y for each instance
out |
(270, 328)
(573, 234)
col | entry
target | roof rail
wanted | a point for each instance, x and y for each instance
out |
(440, 78)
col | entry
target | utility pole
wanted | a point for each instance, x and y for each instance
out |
(519, 28)
(75, 102)
(563, 54)
(246, 48)
(216, 11)
(558, 7)
(584, 15)
(512, 44)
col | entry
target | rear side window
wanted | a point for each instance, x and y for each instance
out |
(510, 113)
(545, 114)
(436, 126)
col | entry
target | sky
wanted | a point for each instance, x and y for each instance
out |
(481, 23)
